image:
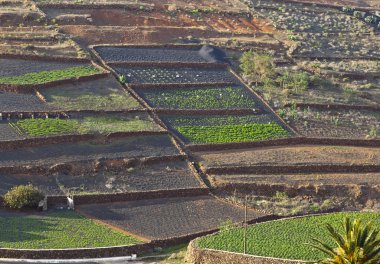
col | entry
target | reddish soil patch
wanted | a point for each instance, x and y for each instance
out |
(300, 155)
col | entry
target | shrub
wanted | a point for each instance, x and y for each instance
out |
(23, 196)
(256, 66)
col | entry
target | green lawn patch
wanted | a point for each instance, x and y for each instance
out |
(102, 124)
(232, 133)
(201, 98)
(57, 230)
(49, 76)
(285, 238)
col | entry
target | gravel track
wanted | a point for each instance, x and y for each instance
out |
(162, 176)
(168, 217)
(164, 75)
(16, 67)
(10, 102)
(133, 147)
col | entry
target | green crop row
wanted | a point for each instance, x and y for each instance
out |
(53, 126)
(285, 238)
(55, 230)
(232, 133)
(49, 76)
(201, 98)
(217, 120)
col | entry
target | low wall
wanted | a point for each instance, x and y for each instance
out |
(177, 64)
(179, 85)
(132, 196)
(290, 169)
(198, 255)
(359, 192)
(33, 142)
(336, 106)
(29, 88)
(205, 112)
(286, 141)
(44, 58)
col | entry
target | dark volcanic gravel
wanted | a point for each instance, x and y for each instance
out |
(8, 133)
(46, 184)
(168, 217)
(130, 54)
(133, 147)
(163, 176)
(16, 67)
(12, 102)
(176, 75)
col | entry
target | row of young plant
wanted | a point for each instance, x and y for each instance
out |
(370, 19)
(40, 127)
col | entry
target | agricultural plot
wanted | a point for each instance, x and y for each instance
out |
(287, 239)
(17, 67)
(12, 102)
(226, 129)
(162, 176)
(299, 18)
(167, 54)
(102, 124)
(200, 98)
(168, 217)
(337, 124)
(50, 76)
(57, 230)
(165, 75)
(297, 155)
(104, 94)
(7, 132)
(47, 184)
(324, 45)
(132, 147)
(372, 179)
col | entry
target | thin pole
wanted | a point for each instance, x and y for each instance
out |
(245, 225)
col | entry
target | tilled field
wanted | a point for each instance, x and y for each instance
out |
(200, 98)
(302, 179)
(133, 147)
(16, 67)
(103, 94)
(168, 217)
(8, 133)
(353, 124)
(12, 102)
(130, 54)
(162, 176)
(165, 75)
(46, 184)
(298, 155)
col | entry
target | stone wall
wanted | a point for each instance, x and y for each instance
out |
(197, 255)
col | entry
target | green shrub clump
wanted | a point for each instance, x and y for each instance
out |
(23, 196)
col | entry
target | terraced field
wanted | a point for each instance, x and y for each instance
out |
(134, 147)
(226, 129)
(170, 217)
(200, 98)
(164, 75)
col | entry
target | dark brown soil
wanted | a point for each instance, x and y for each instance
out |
(170, 217)
(303, 179)
(163, 176)
(298, 155)
(133, 147)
